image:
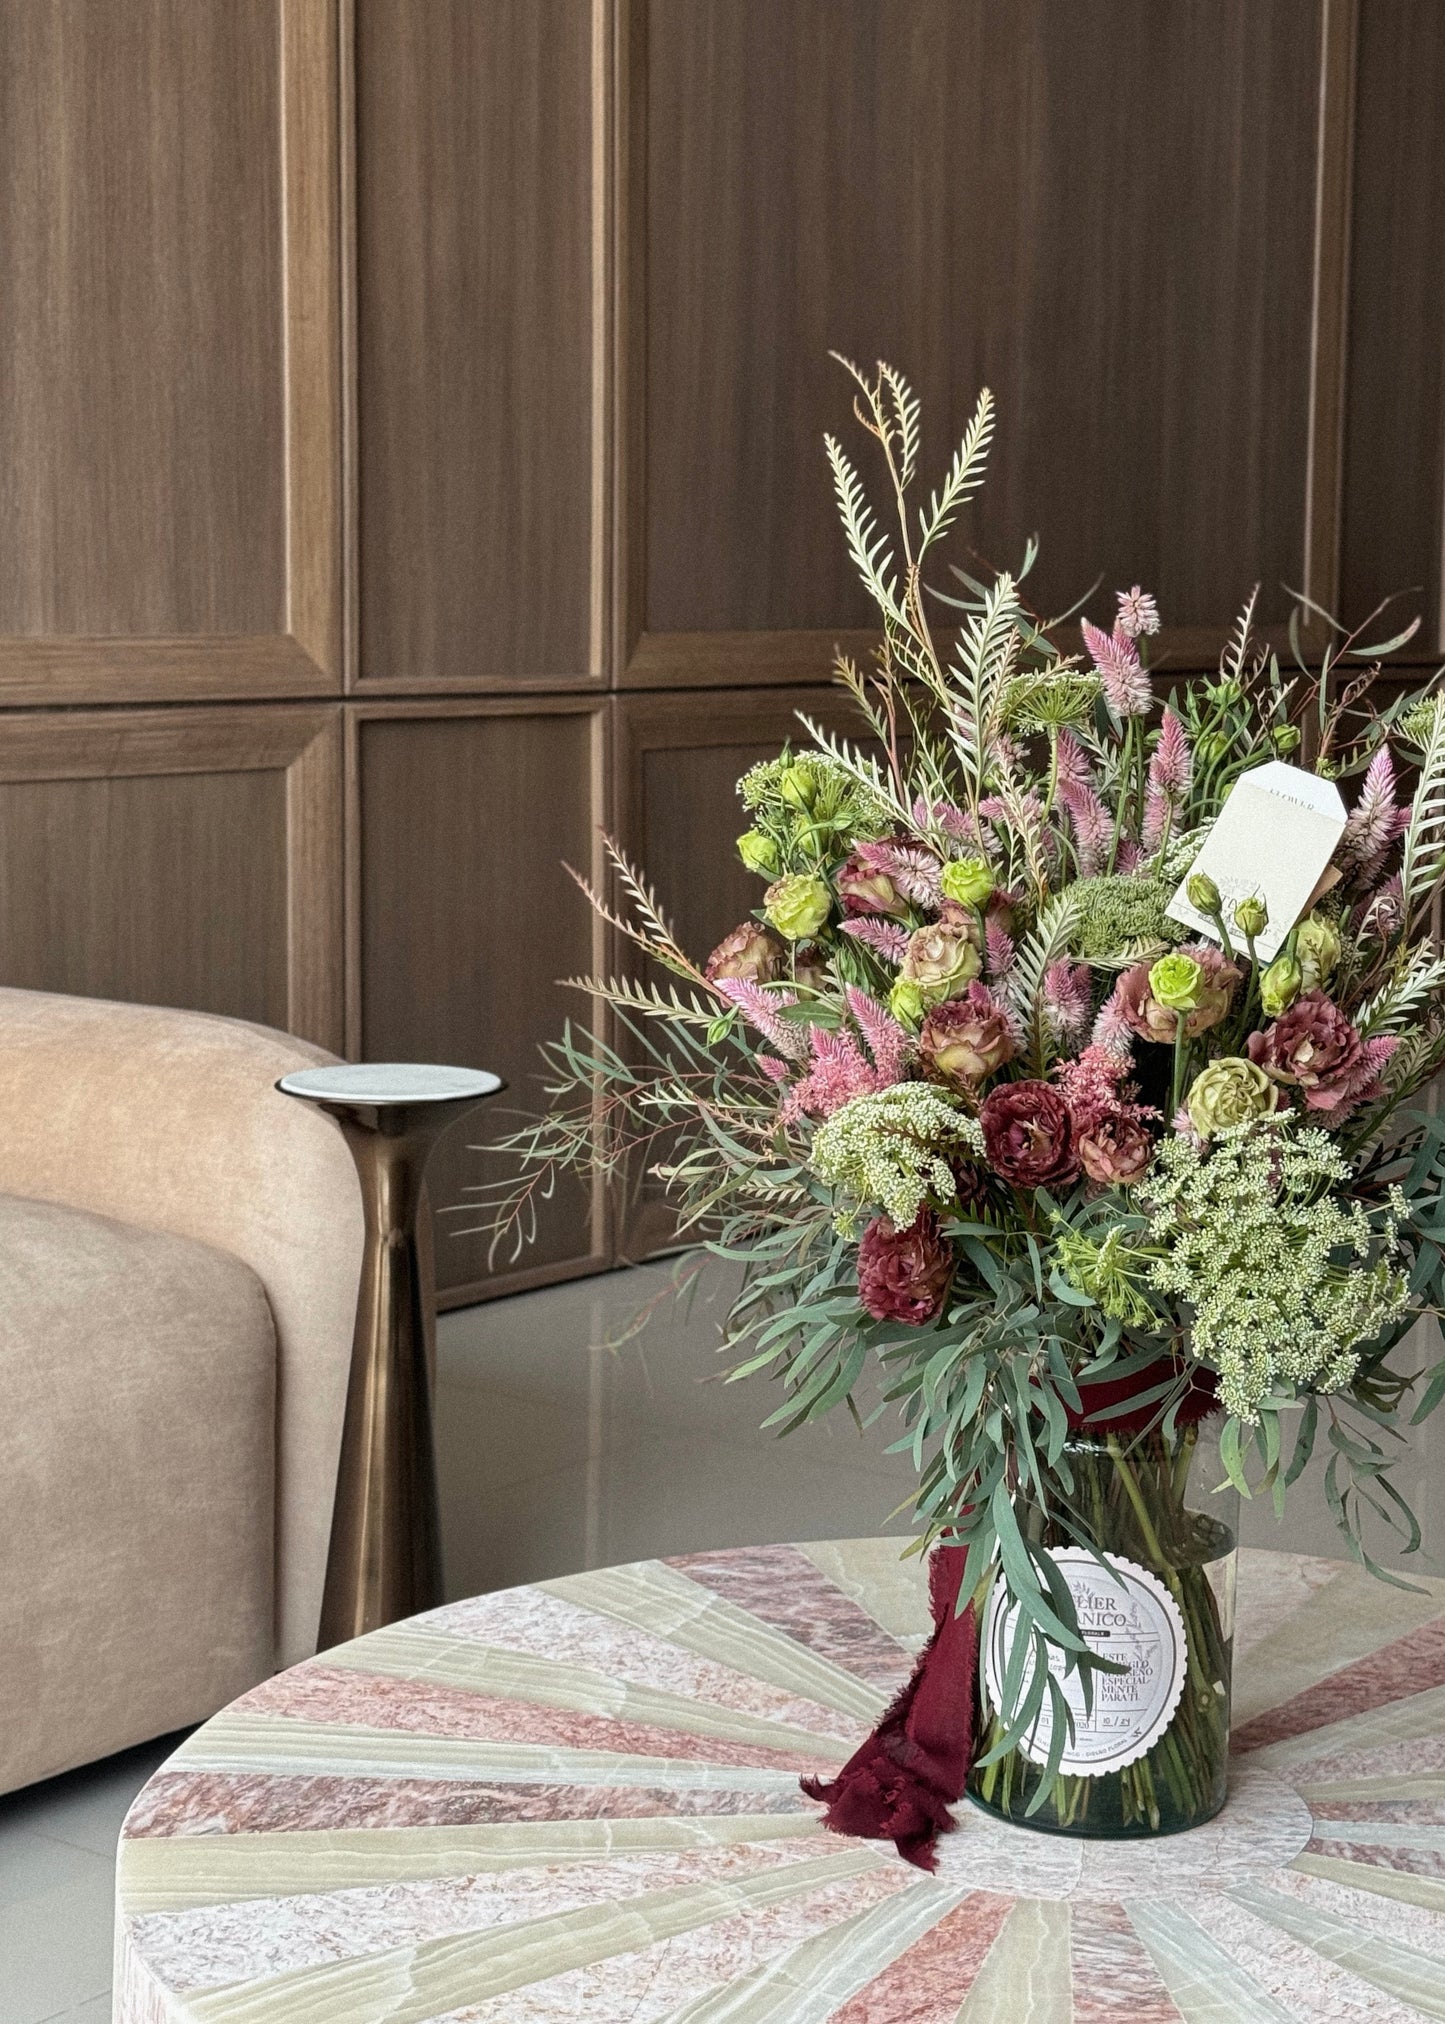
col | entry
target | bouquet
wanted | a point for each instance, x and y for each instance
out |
(989, 1127)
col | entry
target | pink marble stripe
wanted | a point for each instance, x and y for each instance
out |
(543, 1625)
(1414, 1861)
(261, 1802)
(781, 1587)
(1408, 1666)
(927, 1982)
(1420, 1812)
(1113, 1972)
(1409, 1756)
(320, 1693)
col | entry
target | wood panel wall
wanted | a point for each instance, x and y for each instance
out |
(412, 418)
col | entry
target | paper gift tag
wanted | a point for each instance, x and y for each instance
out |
(1273, 839)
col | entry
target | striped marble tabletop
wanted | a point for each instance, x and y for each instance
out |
(580, 1800)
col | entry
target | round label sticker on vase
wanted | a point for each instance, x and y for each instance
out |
(1125, 1614)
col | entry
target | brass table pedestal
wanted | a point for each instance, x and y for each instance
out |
(385, 1560)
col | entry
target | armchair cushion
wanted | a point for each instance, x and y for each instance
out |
(137, 1484)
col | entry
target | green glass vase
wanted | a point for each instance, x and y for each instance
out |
(1142, 1528)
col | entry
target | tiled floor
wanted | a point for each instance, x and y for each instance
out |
(566, 1440)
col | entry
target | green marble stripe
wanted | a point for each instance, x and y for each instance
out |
(241, 1743)
(1205, 1985)
(1396, 1722)
(659, 1599)
(811, 1981)
(1403, 1885)
(1397, 1785)
(1026, 1972)
(1390, 1965)
(158, 1875)
(1349, 1618)
(407, 1985)
(426, 1658)
(873, 1574)
(1381, 1834)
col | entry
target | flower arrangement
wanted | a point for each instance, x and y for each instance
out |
(979, 1117)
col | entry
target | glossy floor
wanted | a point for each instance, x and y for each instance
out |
(569, 1436)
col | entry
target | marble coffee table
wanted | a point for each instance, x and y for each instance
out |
(579, 1801)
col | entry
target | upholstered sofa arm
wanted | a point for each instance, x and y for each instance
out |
(170, 1120)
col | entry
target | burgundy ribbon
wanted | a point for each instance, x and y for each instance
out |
(899, 1784)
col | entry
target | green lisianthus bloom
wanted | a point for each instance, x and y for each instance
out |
(758, 852)
(967, 880)
(797, 906)
(1229, 1091)
(1176, 981)
(1280, 985)
(1251, 916)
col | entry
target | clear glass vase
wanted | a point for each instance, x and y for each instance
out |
(1142, 1528)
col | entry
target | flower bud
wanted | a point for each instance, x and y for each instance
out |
(1203, 892)
(1317, 950)
(967, 880)
(905, 1002)
(1251, 916)
(1280, 985)
(797, 786)
(1284, 737)
(1177, 981)
(758, 852)
(797, 906)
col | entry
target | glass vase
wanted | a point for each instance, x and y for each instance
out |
(1142, 1528)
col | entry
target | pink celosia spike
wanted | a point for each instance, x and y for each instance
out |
(1138, 613)
(760, 1009)
(1111, 1030)
(1131, 856)
(1373, 822)
(999, 946)
(887, 1041)
(886, 937)
(1116, 661)
(773, 1069)
(913, 870)
(1066, 998)
(1093, 826)
(1172, 766)
(1073, 760)
(838, 1074)
(1156, 816)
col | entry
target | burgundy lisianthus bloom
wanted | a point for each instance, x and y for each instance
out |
(1113, 1148)
(1028, 1135)
(965, 1039)
(1312, 1046)
(1144, 1015)
(903, 1275)
(866, 890)
(751, 952)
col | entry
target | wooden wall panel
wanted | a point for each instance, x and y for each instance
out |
(464, 921)
(169, 405)
(1394, 503)
(181, 857)
(475, 342)
(1105, 214)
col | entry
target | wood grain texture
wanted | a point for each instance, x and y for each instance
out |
(1107, 215)
(176, 857)
(466, 919)
(1394, 485)
(169, 405)
(475, 341)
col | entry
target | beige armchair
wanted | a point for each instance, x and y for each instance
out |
(179, 1249)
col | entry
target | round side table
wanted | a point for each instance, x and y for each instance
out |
(385, 1556)
(580, 1800)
